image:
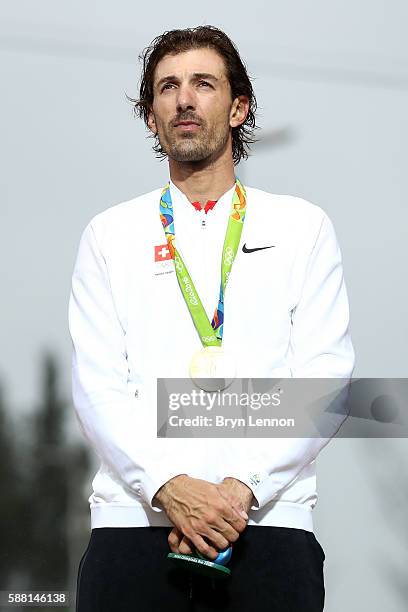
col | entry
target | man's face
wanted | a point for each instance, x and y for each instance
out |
(192, 86)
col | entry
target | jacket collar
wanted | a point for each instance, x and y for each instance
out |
(182, 204)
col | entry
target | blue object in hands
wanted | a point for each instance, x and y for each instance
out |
(223, 556)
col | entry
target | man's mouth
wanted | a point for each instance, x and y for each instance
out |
(187, 125)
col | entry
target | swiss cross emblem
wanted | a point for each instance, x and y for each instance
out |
(161, 252)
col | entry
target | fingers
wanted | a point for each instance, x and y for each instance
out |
(174, 539)
(186, 548)
(179, 543)
(206, 549)
(207, 540)
(223, 524)
(234, 523)
(209, 544)
(237, 515)
(220, 525)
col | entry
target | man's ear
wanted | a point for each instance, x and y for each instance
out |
(239, 111)
(151, 122)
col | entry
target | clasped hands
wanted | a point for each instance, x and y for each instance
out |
(206, 516)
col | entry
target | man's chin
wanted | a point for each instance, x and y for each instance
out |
(188, 156)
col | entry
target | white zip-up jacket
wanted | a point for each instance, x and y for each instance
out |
(286, 314)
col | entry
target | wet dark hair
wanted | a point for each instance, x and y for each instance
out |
(176, 41)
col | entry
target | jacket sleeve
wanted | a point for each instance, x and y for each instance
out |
(320, 348)
(108, 414)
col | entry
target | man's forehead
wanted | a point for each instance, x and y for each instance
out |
(188, 63)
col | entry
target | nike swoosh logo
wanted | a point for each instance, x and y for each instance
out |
(246, 250)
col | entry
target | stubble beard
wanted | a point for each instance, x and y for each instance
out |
(197, 146)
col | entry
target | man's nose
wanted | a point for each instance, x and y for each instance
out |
(185, 98)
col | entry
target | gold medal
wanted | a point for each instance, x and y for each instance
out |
(212, 368)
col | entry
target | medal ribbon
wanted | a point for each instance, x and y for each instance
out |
(210, 333)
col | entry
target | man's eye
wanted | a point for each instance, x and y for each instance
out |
(167, 85)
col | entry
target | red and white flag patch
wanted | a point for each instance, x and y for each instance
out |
(162, 252)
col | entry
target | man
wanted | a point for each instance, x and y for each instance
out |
(285, 314)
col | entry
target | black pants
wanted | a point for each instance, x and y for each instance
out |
(274, 569)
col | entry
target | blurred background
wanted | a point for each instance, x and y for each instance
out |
(331, 81)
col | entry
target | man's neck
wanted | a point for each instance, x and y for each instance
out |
(202, 184)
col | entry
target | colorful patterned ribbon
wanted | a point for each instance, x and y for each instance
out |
(210, 334)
